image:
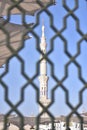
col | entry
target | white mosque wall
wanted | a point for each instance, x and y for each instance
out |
(61, 126)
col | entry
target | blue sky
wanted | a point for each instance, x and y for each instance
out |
(14, 80)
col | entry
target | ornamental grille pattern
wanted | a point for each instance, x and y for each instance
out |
(72, 59)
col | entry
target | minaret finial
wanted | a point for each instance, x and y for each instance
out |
(43, 29)
(43, 39)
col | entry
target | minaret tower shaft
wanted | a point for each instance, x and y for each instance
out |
(43, 78)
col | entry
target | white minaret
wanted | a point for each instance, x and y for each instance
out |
(43, 78)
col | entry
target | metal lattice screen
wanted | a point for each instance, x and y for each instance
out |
(71, 35)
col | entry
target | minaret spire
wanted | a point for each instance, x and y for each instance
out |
(43, 78)
(43, 45)
(43, 40)
(43, 30)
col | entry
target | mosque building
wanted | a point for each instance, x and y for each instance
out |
(45, 123)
